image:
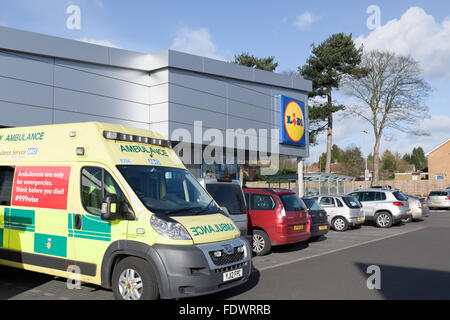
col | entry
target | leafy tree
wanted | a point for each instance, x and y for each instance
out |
(389, 161)
(390, 95)
(330, 61)
(352, 163)
(249, 60)
(336, 156)
(417, 158)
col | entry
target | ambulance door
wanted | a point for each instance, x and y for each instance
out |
(92, 235)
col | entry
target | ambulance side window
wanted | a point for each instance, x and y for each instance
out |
(6, 182)
(96, 183)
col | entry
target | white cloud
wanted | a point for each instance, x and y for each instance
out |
(417, 34)
(105, 43)
(304, 21)
(195, 41)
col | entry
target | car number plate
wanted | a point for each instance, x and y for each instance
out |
(298, 227)
(231, 275)
(322, 227)
(436, 203)
(361, 219)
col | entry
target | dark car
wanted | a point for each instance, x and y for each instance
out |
(319, 219)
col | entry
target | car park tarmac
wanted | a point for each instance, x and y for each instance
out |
(335, 266)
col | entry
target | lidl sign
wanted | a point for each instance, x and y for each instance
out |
(292, 121)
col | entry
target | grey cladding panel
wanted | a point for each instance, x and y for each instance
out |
(31, 42)
(98, 105)
(248, 94)
(133, 76)
(26, 92)
(250, 112)
(183, 60)
(187, 115)
(20, 67)
(68, 117)
(20, 115)
(98, 85)
(197, 99)
(227, 69)
(200, 82)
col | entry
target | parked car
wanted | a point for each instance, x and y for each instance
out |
(439, 199)
(342, 211)
(276, 217)
(383, 206)
(319, 218)
(418, 206)
(230, 197)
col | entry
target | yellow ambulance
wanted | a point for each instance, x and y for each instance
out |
(115, 206)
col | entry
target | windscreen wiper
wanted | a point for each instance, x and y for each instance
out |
(204, 209)
(181, 210)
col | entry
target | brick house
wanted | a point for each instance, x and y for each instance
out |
(439, 162)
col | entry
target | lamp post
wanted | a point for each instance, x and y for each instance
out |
(366, 173)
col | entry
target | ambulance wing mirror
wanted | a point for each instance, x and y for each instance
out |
(110, 207)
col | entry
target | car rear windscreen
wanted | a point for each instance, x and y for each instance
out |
(291, 202)
(352, 202)
(438, 193)
(228, 196)
(399, 196)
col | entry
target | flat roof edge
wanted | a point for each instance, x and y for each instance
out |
(50, 46)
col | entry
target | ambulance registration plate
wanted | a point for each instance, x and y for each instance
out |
(231, 275)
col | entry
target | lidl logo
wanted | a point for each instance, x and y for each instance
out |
(292, 121)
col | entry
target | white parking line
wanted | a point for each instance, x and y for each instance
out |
(335, 250)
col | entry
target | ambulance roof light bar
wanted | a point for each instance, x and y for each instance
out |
(111, 135)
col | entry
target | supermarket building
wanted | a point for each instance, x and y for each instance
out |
(45, 80)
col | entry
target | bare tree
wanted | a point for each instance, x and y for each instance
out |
(390, 95)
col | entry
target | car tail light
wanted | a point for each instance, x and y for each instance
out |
(283, 213)
(428, 198)
(447, 198)
(398, 204)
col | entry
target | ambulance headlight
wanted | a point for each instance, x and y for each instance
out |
(171, 230)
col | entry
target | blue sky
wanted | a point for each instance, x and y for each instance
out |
(284, 29)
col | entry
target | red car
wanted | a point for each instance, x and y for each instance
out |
(275, 217)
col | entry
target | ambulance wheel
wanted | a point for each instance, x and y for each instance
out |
(134, 279)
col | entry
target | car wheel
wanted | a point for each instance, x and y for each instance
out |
(340, 224)
(134, 279)
(383, 220)
(261, 243)
(407, 220)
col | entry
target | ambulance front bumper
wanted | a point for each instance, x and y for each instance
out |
(197, 270)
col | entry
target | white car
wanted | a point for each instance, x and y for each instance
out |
(342, 211)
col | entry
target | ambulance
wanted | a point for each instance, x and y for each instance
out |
(113, 206)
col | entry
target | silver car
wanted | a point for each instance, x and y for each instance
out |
(383, 206)
(439, 199)
(419, 209)
(342, 211)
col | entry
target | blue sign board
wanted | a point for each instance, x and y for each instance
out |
(292, 121)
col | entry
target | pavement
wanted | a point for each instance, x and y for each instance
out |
(413, 260)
